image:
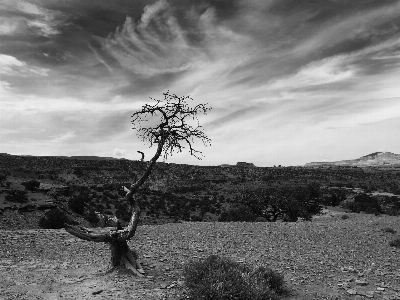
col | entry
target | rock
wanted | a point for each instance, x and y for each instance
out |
(368, 294)
(27, 208)
(361, 282)
(46, 205)
(163, 285)
(97, 292)
(380, 289)
(351, 292)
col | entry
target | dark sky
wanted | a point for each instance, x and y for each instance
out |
(289, 81)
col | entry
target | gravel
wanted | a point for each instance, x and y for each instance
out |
(320, 259)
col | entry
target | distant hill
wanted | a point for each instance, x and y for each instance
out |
(373, 159)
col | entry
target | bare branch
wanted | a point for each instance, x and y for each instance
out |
(173, 112)
(84, 234)
(142, 159)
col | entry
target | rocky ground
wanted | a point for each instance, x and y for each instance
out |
(329, 258)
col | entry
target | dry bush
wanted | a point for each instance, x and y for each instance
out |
(217, 278)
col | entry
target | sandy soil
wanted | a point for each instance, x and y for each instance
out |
(320, 259)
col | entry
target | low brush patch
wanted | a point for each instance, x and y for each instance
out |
(217, 278)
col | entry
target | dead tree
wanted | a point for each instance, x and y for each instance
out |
(176, 128)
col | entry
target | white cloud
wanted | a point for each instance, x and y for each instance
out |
(42, 21)
(119, 152)
(356, 25)
(372, 113)
(10, 65)
(63, 137)
(8, 25)
(46, 28)
(7, 63)
(4, 86)
(325, 71)
(158, 44)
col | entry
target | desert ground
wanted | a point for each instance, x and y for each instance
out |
(328, 258)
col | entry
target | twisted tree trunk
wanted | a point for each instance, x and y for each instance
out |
(117, 239)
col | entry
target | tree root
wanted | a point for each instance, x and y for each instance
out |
(125, 267)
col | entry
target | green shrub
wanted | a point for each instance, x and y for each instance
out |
(395, 243)
(217, 278)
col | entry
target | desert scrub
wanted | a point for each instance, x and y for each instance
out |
(389, 230)
(395, 243)
(217, 278)
(55, 219)
(344, 217)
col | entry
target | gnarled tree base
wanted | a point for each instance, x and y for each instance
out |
(121, 255)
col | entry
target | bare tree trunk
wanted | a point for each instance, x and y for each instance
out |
(118, 251)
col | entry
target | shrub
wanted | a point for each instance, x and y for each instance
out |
(260, 219)
(389, 230)
(196, 218)
(92, 217)
(395, 243)
(54, 219)
(17, 196)
(3, 177)
(364, 202)
(344, 217)
(31, 185)
(77, 203)
(392, 211)
(240, 214)
(217, 278)
(266, 277)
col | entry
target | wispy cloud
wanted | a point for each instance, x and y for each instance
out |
(288, 80)
(155, 45)
(22, 16)
(12, 66)
(63, 137)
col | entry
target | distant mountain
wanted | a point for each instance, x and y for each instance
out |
(373, 159)
(71, 157)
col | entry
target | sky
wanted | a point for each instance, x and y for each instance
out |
(289, 81)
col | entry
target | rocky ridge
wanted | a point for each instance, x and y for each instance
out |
(373, 159)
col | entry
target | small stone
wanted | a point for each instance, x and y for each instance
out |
(351, 269)
(163, 285)
(361, 282)
(351, 292)
(369, 294)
